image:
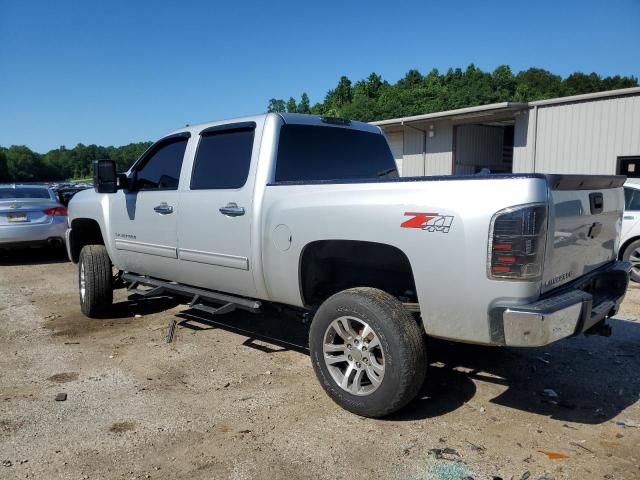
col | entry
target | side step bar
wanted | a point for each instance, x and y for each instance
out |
(199, 296)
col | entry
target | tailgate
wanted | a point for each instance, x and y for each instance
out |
(584, 225)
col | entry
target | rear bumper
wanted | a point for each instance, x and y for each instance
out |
(564, 312)
(16, 235)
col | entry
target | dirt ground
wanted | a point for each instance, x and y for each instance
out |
(238, 399)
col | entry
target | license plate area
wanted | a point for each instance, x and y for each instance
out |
(17, 217)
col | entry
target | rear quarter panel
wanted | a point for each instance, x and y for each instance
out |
(449, 268)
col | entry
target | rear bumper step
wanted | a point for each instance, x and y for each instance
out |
(567, 311)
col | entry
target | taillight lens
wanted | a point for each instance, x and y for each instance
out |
(516, 243)
(56, 212)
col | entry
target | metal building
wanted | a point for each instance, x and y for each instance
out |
(597, 133)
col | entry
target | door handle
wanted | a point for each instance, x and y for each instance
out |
(163, 209)
(232, 210)
(629, 217)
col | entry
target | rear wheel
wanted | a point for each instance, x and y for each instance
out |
(632, 254)
(95, 281)
(368, 352)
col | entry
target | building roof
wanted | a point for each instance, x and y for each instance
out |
(459, 112)
(495, 108)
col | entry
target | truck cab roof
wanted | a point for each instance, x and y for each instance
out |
(288, 118)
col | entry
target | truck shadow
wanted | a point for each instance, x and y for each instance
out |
(33, 256)
(588, 380)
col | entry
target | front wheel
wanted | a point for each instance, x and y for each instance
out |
(95, 281)
(632, 254)
(368, 352)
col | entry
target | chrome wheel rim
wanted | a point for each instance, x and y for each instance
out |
(634, 258)
(82, 282)
(353, 355)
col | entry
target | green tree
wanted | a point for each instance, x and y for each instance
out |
(292, 106)
(4, 171)
(23, 164)
(504, 84)
(579, 83)
(374, 99)
(339, 96)
(276, 105)
(537, 84)
(304, 105)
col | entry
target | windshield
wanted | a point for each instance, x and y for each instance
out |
(23, 192)
(307, 153)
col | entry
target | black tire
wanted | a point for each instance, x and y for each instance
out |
(401, 340)
(626, 255)
(98, 281)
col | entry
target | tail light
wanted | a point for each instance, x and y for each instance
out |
(56, 212)
(517, 242)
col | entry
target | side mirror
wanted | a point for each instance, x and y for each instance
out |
(105, 179)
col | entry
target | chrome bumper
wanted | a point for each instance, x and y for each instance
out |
(568, 311)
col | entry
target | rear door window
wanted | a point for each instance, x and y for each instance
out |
(161, 169)
(223, 158)
(308, 153)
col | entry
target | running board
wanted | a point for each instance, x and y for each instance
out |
(198, 296)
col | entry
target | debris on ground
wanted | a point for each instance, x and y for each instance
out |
(627, 424)
(543, 360)
(61, 397)
(172, 330)
(554, 455)
(577, 444)
(476, 448)
(7, 463)
(550, 393)
(441, 452)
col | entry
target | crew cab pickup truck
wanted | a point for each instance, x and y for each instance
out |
(309, 212)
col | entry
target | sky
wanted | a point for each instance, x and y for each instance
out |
(112, 72)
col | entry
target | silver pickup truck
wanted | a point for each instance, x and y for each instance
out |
(310, 213)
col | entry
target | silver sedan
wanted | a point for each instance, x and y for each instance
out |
(31, 215)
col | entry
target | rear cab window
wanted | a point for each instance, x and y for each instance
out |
(308, 153)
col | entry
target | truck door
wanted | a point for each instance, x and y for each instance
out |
(214, 225)
(143, 217)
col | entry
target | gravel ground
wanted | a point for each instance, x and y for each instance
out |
(239, 400)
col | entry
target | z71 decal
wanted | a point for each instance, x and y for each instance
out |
(430, 222)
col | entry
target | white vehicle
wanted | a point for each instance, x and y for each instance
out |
(630, 236)
(309, 212)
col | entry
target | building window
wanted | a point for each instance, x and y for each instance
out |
(629, 166)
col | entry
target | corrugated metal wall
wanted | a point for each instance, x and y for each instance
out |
(396, 140)
(439, 157)
(522, 134)
(479, 145)
(413, 158)
(581, 138)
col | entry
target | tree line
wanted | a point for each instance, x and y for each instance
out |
(19, 163)
(374, 98)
